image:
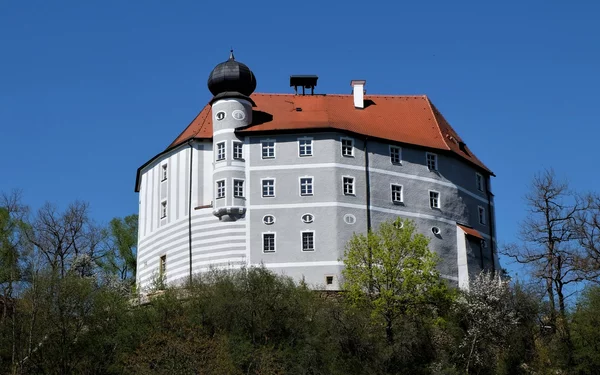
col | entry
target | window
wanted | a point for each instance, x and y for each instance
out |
(268, 242)
(434, 199)
(348, 183)
(436, 230)
(308, 241)
(479, 181)
(395, 155)
(481, 213)
(268, 219)
(306, 186)
(163, 209)
(396, 193)
(268, 149)
(347, 147)
(238, 188)
(164, 173)
(349, 219)
(268, 188)
(308, 218)
(432, 161)
(162, 266)
(305, 146)
(238, 150)
(221, 189)
(484, 244)
(329, 280)
(220, 151)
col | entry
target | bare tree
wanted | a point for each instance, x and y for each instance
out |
(587, 226)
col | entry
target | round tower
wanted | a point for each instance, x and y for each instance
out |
(231, 83)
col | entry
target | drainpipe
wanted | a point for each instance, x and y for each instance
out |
(190, 208)
(490, 220)
(368, 186)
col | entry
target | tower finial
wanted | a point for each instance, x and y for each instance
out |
(231, 57)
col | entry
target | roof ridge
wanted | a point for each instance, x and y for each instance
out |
(344, 95)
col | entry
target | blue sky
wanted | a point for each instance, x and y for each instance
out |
(89, 91)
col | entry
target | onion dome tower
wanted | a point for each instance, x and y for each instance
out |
(231, 84)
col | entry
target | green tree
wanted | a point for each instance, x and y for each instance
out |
(121, 258)
(393, 273)
(586, 338)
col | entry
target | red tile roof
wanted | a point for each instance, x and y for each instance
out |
(405, 119)
(470, 231)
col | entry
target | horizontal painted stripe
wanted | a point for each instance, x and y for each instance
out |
(231, 240)
(301, 264)
(376, 170)
(223, 131)
(229, 168)
(227, 227)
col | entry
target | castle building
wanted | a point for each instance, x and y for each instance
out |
(285, 180)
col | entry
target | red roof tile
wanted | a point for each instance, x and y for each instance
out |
(405, 119)
(470, 231)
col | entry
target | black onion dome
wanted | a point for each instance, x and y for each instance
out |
(232, 77)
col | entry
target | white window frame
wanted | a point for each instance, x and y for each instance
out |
(481, 214)
(342, 139)
(217, 189)
(242, 195)
(399, 162)
(163, 209)
(314, 241)
(312, 186)
(305, 147)
(162, 266)
(439, 200)
(401, 193)
(262, 187)
(274, 234)
(241, 155)
(353, 185)
(218, 154)
(262, 148)
(435, 159)
(312, 218)
(164, 172)
(479, 181)
(269, 215)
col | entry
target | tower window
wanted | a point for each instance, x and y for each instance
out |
(220, 151)
(162, 266)
(306, 186)
(395, 155)
(307, 218)
(164, 173)
(268, 149)
(238, 150)
(434, 199)
(163, 209)
(308, 241)
(432, 161)
(238, 188)
(479, 181)
(305, 146)
(348, 183)
(268, 219)
(481, 213)
(220, 189)
(268, 242)
(396, 193)
(347, 147)
(268, 188)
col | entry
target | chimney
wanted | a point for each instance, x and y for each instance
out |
(358, 89)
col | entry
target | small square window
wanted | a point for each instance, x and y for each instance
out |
(481, 213)
(163, 209)
(238, 150)
(347, 147)
(308, 241)
(329, 280)
(395, 155)
(305, 147)
(348, 183)
(268, 149)
(268, 188)
(268, 242)
(164, 173)
(397, 193)
(220, 151)
(306, 186)
(221, 189)
(238, 188)
(479, 181)
(434, 199)
(432, 162)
